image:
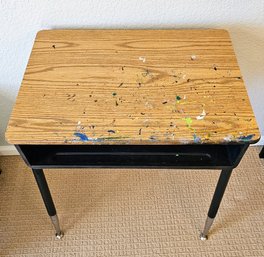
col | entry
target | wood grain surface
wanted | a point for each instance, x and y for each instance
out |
(132, 87)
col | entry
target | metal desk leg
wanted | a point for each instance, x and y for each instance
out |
(218, 195)
(47, 199)
(261, 154)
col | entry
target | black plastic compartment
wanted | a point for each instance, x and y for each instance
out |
(137, 156)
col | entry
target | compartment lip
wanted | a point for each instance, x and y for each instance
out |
(209, 150)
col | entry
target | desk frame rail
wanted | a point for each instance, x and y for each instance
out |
(198, 156)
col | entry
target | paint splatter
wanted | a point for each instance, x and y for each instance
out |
(181, 111)
(246, 138)
(111, 131)
(144, 74)
(178, 98)
(248, 120)
(171, 124)
(146, 123)
(196, 139)
(201, 116)
(228, 138)
(149, 105)
(141, 58)
(207, 136)
(193, 57)
(81, 136)
(121, 84)
(114, 94)
(71, 97)
(188, 121)
(153, 138)
(78, 126)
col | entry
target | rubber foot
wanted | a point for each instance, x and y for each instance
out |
(59, 236)
(203, 237)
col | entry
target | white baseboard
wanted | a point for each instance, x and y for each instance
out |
(261, 141)
(8, 150)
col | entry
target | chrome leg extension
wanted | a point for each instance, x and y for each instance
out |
(208, 223)
(56, 224)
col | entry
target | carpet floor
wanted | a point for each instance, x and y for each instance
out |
(132, 212)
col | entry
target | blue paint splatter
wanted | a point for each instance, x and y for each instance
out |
(82, 136)
(196, 139)
(246, 138)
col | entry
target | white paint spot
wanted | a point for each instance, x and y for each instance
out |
(79, 126)
(184, 97)
(146, 122)
(141, 58)
(201, 116)
(193, 57)
(228, 138)
(149, 105)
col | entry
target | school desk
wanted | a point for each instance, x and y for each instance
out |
(132, 98)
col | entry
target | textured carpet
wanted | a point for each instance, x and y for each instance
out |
(106, 212)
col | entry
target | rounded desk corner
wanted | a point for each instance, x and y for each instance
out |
(226, 32)
(256, 140)
(7, 138)
(41, 32)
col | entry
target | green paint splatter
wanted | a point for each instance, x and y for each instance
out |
(178, 98)
(114, 93)
(188, 121)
